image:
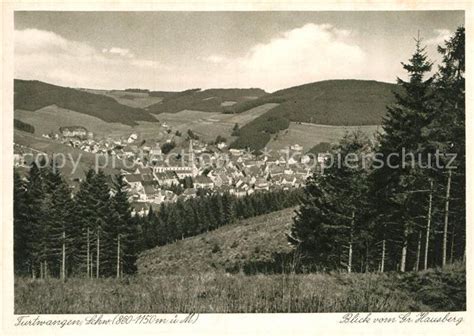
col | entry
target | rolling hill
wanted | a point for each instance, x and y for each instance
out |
(333, 102)
(341, 104)
(34, 95)
(212, 100)
(247, 245)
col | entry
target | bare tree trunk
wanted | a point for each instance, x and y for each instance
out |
(88, 265)
(382, 263)
(97, 262)
(418, 253)
(446, 219)
(404, 249)
(366, 257)
(451, 257)
(118, 256)
(63, 263)
(349, 259)
(41, 270)
(428, 227)
(46, 275)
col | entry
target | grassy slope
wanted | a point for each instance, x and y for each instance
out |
(247, 243)
(207, 101)
(432, 290)
(309, 135)
(209, 125)
(51, 118)
(34, 95)
(133, 99)
(72, 155)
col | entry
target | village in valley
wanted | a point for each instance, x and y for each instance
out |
(162, 172)
(230, 162)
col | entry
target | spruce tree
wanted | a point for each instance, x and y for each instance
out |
(229, 208)
(60, 229)
(399, 185)
(446, 133)
(83, 218)
(103, 245)
(327, 225)
(122, 231)
(21, 228)
(35, 193)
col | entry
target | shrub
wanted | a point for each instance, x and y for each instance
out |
(168, 147)
(215, 248)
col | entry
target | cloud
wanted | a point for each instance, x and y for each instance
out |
(30, 41)
(47, 56)
(305, 54)
(119, 51)
(214, 59)
(441, 35)
(309, 53)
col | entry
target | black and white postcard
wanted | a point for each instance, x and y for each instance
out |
(236, 168)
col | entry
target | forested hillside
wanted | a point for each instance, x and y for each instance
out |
(23, 126)
(334, 102)
(34, 95)
(212, 100)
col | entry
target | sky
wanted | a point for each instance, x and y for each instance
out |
(181, 50)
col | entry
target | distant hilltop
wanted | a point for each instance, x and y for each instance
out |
(342, 103)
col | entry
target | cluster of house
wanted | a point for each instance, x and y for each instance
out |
(158, 178)
(237, 173)
(79, 137)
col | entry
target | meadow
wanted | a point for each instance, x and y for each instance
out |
(431, 290)
(309, 135)
(247, 245)
(76, 163)
(50, 118)
(132, 99)
(208, 125)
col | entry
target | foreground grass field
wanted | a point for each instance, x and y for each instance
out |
(432, 290)
(247, 245)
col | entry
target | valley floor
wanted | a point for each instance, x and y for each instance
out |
(431, 290)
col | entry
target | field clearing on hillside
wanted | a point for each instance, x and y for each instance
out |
(431, 290)
(231, 248)
(309, 135)
(208, 125)
(132, 99)
(247, 116)
(85, 160)
(51, 118)
(211, 124)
